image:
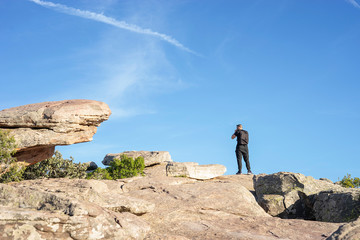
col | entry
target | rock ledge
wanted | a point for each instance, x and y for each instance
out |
(39, 127)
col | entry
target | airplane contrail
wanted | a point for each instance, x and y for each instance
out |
(111, 21)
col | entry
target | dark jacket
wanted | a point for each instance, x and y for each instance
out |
(242, 137)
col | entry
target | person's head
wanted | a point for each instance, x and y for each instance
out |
(239, 127)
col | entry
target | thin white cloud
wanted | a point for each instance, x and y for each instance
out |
(131, 78)
(127, 79)
(111, 21)
(354, 3)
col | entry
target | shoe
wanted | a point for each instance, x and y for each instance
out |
(238, 173)
(250, 173)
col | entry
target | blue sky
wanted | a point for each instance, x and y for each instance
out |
(179, 75)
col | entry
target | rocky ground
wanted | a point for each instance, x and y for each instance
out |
(151, 207)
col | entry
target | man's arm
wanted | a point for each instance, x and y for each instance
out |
(234, 135)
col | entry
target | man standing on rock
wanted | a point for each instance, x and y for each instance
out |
(242, 147)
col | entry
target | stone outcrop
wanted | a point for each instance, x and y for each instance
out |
(194, 170)
(150, 157)
(150, 207)
(349, 231)
(154, 206)
(173, 169)
(39, 127)
(293, 195)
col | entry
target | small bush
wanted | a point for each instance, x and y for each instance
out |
(99, 173)
(7, 147)
(56, 167)
(350, 182)
(14, 173)
(10, 170)
(124, 167)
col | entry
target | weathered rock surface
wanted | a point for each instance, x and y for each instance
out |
(336, 206)
(33, 211)
(150, 157)
(150, 207)
(39, 127)
(293, 195)
(349, 231)
(194, 170)
(244, 179)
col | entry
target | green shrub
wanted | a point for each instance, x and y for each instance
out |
(99, 173)
(56, 167)
(124, 167)
(15, 173)
(350, 182)
(7, 147)
(10, 170)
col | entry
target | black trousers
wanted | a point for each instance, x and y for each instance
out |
(242, 151)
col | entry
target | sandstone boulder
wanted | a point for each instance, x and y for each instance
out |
(150, 157)
(194, 170)
(337, 206)
(39, 127)
(293, 195)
